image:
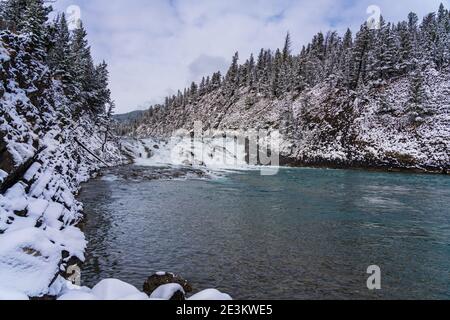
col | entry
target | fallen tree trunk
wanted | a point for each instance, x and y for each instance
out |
(90, 152)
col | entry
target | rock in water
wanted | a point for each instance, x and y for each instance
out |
(162, 278)
(171, 291)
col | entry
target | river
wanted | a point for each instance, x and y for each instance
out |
(300, 234)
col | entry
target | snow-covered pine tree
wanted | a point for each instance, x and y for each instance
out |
(101, 95)
(418, 97)
(202, 87)
(360, 56)
(442, 37)
(287, 48)
(83, 70)
(216, 80)
(33, 21)
(286, 71)
(193, 92)
(12, 12)
(333, 51)
(232, 77)
(345, 61)
(60, 57)
(276, 81)
(406, 48)
(251, 74)
(428, 36)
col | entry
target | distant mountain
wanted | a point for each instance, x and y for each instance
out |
(129, 117)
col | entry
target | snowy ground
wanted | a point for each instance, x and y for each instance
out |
(113, 289)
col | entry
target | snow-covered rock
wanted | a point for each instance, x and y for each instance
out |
(113, 289)
(108, 289)
(211, 294)
(168, 292)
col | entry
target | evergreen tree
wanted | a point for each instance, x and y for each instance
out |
(60, 57)
(428, 40)
(360, 56)
(407, 42)
(276, 81)
(101, 95)
(345, 62)
(418, 97)
(287, 48)
(232, 77)
(13, 12)
(382, 59)
(216, 80)
(442, 54)
(251, 73)
(193, 91)
(33, 21)
(83, 70)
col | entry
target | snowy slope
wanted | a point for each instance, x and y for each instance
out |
(327, 126)
(42, 163)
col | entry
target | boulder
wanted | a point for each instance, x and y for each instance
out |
(211, 294)
(162, 278)
(113, 289)
(171, 291)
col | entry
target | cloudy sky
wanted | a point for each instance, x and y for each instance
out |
(155, 47)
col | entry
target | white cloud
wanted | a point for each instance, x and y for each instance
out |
(156, 47)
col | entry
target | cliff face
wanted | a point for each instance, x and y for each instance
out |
(330, 126)
(45, 153)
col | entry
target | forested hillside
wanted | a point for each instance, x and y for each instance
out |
(54, 131)
(380, 98)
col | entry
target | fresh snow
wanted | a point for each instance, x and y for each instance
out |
(113, 289)
(11, 294)
(39, 213)
(211, 294)
(165, 292)
(3, 175)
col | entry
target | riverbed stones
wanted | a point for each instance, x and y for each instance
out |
(163, 278)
